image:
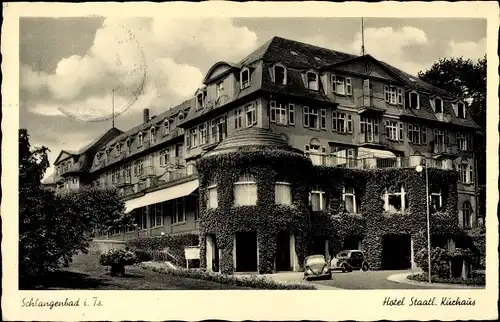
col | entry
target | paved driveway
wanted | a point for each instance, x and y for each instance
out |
(375, 280)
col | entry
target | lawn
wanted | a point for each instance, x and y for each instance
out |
(86, 273)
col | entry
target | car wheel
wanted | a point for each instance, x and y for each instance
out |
(365, 267)
(344, 268)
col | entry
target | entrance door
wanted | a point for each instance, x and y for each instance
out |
(212, 254)
(396, 252)
(246, 252)
(283, 251)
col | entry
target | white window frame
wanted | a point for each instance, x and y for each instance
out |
(193, 137)
(219, 88)
(291, 114)
(462, 115)
(323, 119)
(420, 131)
(466, 173)
(245, 84)
(391, 94)
(250, 114)
(203, 133)
(249, 181)
(212, 202)
(152, 134)
(199, 103)
(341, 82)
(341, 120)
(434, 105)
(284, 71)
(166, 127)
(418, 100)
(321, 193)
(140, 139)
(436, 194)
(402, 195)
(238, 118)
(400, 96)
(349, 192)
(308, 112)
(315, 83)
(393, 130)
(279, 200)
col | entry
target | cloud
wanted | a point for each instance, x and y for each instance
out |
(157, 60)
(468, 49)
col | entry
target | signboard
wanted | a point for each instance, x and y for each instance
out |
(192, 252)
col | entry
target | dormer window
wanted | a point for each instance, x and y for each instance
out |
(181, 116)
(127, 142)
(166, 127)
(152, 135)
(414, 101)
(312, 81)
(245, 78)
(461, 112)
(199, 101)
(118, 150)
(220, 89)
(438, 105)
(279, 72)
(140, 139)
(341, 85)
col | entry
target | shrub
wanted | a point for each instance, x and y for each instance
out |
(474, 280)
(118, 257)
(243, 281)
(440, 264)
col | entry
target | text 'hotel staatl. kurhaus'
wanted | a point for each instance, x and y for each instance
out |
(290, 132)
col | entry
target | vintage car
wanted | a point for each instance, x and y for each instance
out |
(316, 266)
(349, 260)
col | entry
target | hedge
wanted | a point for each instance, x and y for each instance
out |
(479, 280)
(268, 219)
(147, 248)
(243, 281)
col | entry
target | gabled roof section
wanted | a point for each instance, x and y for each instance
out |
(219, 65)
(65, 154)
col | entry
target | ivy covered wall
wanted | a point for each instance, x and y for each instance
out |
(333, 223)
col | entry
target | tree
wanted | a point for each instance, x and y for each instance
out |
(53, 227)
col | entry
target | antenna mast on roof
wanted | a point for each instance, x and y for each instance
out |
(113, 108)
(362, 38)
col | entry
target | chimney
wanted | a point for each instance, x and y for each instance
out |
(146, 115)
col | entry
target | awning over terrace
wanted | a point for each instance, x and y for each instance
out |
(364, 153)
(162, 195)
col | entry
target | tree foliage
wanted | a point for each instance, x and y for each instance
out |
(53, 227)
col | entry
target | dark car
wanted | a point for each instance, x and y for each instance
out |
(316, 266)
(349, 260)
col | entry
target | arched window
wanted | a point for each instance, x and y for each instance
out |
(140, 139)
(118, 149)
(245, 191)
(467, 214)
(280, 76)
(414, 101)
(438, 105)
(312, 80)
(245, 78)
(152, 134)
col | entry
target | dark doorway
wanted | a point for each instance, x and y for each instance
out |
(352, 242)
(396, 252)
(246, 251)
(214, 252)
(318, 246)
(283, 251)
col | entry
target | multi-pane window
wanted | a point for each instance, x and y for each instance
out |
(312, 81)
(341, 122)
(317, 199)
(138, 167)
(441, 137)
(417, 134)
(199, 101)
(323, 119)
(283, 193)
(166, 127)
(341, 85)
(394, 130)
(156, 214)
(118, 150)
(464, 141)
(467, 214)
(291, 114)
(414, 101)
(250, 115)
(280, 74)
(349, 197)
(218, 129)
(238, 120)
(311, 119)
(369, 128)
(193, 138)
(245, 191)
(466, 172)
(395, 200)
(203, 128)
(127, 173)
(438, 105)
(245, 78)
(165, 157)
(391, 94)
(178, 211)
(212, 195)
(281, 113)
(461, 112)
(436, 201)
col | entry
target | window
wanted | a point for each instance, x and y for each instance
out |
(118, 150)
(311, 117)
(199, 101)
(245, 191)
(238, 120)
(341, 85)
(291, 114)
(467, 214)
(323, 119)
(417, 134)
(369, 128)
(127, 173)
(203, 130)
(212, 195)
(220, 89)
(317, 199)
(218, 129)
(395, 201)
(283, 193)
(152, 134)
(394, 130)
(391, 94)
(245, 78)
(312, 81)
(341, 122)
(166, 127)
(466, 172)
(250, 115)
(140, 139)
(461, 112)
(438, 105)
(349, 198)
(400, 96)
(75, 181)
(464, 142)
(156, 215)
(142, 218)
(414, 101)
(280, 74)
(441, 137)
(178, 211)
(193, 137)
(138, 167)
(436, 202)
(165, 157)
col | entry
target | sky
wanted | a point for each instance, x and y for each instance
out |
(70, 67)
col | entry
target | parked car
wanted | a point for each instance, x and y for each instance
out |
(316, 266)
(349, 260)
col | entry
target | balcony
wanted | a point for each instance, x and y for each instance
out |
(367, 106)
(123, 182)
(370, 138)
(147, 172)
(445, 150)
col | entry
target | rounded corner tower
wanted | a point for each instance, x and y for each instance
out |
(253, 204)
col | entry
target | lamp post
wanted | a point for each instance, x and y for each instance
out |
(419, 168)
